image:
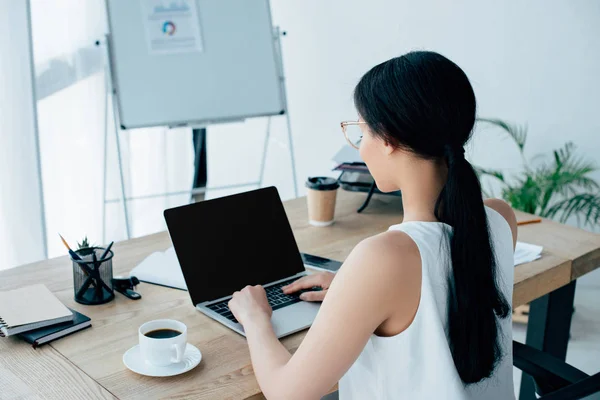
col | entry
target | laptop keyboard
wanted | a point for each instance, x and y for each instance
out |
(277, 299)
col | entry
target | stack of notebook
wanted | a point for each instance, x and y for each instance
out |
(37, 316)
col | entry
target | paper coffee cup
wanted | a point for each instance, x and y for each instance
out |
(321, 197)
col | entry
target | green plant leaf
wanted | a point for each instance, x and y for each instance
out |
(85, 248)
(84, 243)
(566, 176)
(584, 206)
(573, 182)
(557, 188)
(574, 171)
(524, 196)
(547, 180)
(516, 132)
(489, 172)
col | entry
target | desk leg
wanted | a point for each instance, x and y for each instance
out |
(548, 329)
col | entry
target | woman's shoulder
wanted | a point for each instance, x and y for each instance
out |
(391, 253)
(501, 207)
(388, 266)
(506, 212)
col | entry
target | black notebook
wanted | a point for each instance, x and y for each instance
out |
(41, 336)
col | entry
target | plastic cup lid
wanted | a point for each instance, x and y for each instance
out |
(322, 183)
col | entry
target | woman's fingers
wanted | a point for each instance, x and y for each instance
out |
(306, 282)
(313, 296)
(303, 283)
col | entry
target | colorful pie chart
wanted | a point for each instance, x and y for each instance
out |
(168, 28)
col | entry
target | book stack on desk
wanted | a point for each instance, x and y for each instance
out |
(36, 315)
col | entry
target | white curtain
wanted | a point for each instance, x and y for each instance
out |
(21, 207)
(73, 113)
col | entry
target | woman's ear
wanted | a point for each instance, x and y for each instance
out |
(388, 148)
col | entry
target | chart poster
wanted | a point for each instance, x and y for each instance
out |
(172, 26)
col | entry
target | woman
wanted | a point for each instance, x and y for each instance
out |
(420, 311)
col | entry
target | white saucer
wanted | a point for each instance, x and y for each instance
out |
(133, 360)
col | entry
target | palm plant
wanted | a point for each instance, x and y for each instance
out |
(557, 188)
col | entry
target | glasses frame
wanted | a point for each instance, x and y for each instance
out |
(344, 125)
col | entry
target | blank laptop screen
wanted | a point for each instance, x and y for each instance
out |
(227, 243)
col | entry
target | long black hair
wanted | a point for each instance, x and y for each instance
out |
(424, 103)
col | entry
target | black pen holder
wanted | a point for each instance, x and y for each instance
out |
(92, 276)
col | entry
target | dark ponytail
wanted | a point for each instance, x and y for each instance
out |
(474, 299)
(424, 103)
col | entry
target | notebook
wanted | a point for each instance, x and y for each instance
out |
(161, 268)
(41, 336)
(28, 308)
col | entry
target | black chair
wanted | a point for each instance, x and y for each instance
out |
(554, 379)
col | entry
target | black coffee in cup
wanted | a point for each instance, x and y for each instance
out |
(162, 333)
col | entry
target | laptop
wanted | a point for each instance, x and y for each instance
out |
(245, 239)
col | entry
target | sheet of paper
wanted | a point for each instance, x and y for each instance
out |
(172, 26)
(525, 252)
(161, 269)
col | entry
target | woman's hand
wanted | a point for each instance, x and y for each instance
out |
(321, 279)
(250, 304)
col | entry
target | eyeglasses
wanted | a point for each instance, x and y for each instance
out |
(352, 132)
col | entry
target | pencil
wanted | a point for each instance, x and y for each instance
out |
(529, 221)
(71, 252)
(75, 256)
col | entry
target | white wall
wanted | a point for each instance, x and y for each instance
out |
(534, 62)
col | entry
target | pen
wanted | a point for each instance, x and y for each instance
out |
(530, 221)
(96, 273)
(106, 251)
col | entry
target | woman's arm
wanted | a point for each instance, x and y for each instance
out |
(502, 208)
(363, 295)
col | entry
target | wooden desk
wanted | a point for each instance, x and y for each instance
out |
(90, 362)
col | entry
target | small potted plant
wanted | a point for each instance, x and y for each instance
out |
(84, 248)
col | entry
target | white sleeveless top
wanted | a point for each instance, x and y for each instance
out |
(417, 363)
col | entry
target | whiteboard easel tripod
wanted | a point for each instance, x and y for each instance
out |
(277, 105)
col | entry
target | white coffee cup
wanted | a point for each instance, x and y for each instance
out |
(162, 351)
